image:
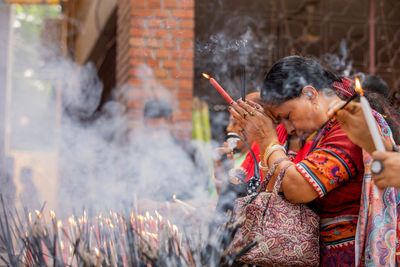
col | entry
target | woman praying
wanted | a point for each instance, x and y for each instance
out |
(327, 171)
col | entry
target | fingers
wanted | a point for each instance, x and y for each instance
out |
(254, 105)
(379, 155)
(343, 116)
(246, 107)
(239, 118)
(240, 109)
(353, 108)
(334, 107)
(380, 183)
(269, 115)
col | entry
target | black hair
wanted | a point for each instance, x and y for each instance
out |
(374, 84)
(377, 92)
(157, 109)
(287, 77)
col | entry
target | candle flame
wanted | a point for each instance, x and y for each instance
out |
(96, 250)
(205, 75)
(71, 221)
(358, 87)
(38, 214)
(59, 224)
(52, 214)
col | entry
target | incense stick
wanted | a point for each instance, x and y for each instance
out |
(243, 95)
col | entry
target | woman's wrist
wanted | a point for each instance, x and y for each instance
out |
(265, 143)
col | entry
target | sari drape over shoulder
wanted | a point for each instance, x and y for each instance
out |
(377, 231)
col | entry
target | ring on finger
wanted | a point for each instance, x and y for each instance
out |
(251, 113)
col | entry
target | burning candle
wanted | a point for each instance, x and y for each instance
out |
(373, 128)
(219, 88)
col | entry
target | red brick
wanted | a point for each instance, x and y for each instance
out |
(184, 94)
(183, 34)
(135, 72)
(185, 84)
(185, 4)
(186, 104)
(163, 53)
(140, 52)
(135, 22)
(186, 44)
(183, 14)
(170, 4)
(186, 64)
(137, 42)
(154, 43)
(161, 33)
(186, 24)
(152, 3)
(137, 4)
(187, 74)
(135, 81)
(169, 43)
(140, 32)
(155, 23)
(159, 13)
(171, 23)
(161, 73)
(153, 63)
(183, 116)
(170, 83)
(170, 64)
(182, 54)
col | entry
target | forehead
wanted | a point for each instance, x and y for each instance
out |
(281, 110)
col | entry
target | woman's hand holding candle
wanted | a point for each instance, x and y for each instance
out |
(390, 173)
(352, 121)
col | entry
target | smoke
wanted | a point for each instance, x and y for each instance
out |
(341, 63)
(74, 153)
(243, 41)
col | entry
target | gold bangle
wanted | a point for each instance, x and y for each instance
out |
(273, 148)
(269, 147)
(263, 168)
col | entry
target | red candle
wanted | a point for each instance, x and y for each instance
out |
(219, 88)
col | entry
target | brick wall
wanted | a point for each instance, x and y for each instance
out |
(160, 34)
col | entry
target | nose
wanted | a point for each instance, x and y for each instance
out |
(291, 130)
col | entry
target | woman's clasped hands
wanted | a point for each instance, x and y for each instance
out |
(256, 125)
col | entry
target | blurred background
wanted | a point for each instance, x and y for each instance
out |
(73, 65)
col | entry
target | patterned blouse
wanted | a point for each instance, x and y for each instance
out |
(334, 167)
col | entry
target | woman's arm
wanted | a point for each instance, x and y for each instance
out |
(295, 188)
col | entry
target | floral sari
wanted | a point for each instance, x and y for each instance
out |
(377, 230)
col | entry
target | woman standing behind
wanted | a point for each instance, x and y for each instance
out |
(327, 172)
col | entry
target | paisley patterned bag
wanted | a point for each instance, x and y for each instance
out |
(287, 234)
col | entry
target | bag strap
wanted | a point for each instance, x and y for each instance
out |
(271, 171)
(279, 179)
